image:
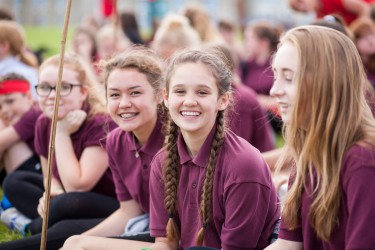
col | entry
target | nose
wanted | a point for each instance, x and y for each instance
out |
(276, 89)
(52, 94)
(125, 102)
(190, 100)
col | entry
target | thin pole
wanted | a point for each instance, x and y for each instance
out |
(53, 128)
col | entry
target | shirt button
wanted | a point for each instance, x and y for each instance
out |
(144, 166)
(194, 185)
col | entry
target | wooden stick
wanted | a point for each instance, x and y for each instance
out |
(53, 129)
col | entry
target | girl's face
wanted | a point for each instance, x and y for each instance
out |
(366, 44)
(285, 86)
(73, 101)
(14, 106)
(132, 102)
(193, 99)
(252, 42)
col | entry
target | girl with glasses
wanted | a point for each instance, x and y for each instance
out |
(82, 185)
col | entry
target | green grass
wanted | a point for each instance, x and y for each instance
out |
(48, 38)
(279, 140)
(5, 233)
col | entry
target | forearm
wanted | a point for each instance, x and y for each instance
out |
(357, 7)
(164, 244)
(67, 163)
(112, 226)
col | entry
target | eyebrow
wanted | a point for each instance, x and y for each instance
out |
(199, 86)
(283, 70)
(133, 87)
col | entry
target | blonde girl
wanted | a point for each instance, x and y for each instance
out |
(330, 138)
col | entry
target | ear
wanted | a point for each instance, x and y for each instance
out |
(4, 47)
(29, 96)
(223, 101)
(165, 97)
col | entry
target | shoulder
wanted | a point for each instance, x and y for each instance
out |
(115, 135)
(42, 121)
(245, 100)
(158, 160)
(359, 156)
(242, 162)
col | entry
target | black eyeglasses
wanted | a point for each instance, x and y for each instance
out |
(43, 90)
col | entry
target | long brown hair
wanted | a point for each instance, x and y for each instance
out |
(223, 78)
(330, 115)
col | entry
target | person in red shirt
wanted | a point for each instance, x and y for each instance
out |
(349, 10)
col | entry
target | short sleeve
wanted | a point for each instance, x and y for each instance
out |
(158, 214)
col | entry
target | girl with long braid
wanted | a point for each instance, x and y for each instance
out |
(208, 186)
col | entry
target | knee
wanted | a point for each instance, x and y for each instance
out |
(73, 242)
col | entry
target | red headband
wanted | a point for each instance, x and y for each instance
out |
(14, 86)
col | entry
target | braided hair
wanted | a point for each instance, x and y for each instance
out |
(219, 69)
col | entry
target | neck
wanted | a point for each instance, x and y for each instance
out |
(194, 141)
(142, 134)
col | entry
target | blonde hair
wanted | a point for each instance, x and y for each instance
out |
(14, 34)
(330, 115)
(85, 77)
(213, 61)
(175, 33)
(201, 21)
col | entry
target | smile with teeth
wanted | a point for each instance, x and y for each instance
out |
(190, 113)
(128, 115)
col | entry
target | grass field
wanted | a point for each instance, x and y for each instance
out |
(47, 38)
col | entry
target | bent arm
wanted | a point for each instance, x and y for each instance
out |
(357, 7)
(79, 174)
(8, 137)
(116, 222)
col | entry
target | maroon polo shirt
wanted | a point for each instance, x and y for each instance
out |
(245, 205)
(131, 174)
(249, 120)
(356, 228)
(259, 77)
(91, 133)
(25, 127)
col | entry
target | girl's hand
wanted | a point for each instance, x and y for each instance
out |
(41, 208)
(71, 122)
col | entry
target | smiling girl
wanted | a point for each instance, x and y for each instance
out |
(208, 186)
(133, 82)
(82, 186)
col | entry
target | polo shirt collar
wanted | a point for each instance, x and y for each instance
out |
(201, 159)
(153, 144)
